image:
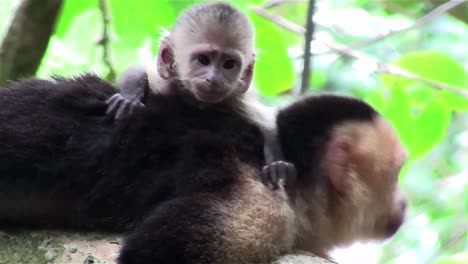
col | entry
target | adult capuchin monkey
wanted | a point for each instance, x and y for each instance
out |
(208, 57)
(189, 190)
(348, 159)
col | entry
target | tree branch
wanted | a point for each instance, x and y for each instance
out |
(380, 67)
(307, 68)
(105, 39)
(460, 234)
(27, 38)
(383, 68)
(420, 22)
(281, 22)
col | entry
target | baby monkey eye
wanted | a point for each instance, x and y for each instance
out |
(203, 60)
(229, 64)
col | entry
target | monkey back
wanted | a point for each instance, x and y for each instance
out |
(59, 149)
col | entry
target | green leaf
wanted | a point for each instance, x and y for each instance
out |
(398, 113)
(454, 101)
(179, 6)
(274, 72)
(135, 22)
(427, 110)
(377, 100)
(459, 258)
(418, 132)
(404, 5)
(430, 127)
(244, 4)
(318, 79)
(76, 51)
(70, 9)
(137, 28)
(83, 34)
(436, 67)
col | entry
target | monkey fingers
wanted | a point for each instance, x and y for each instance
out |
(279, 172)
(121, 108)
(113, 104)
(124, 110)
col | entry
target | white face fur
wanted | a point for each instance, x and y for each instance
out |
(212, 58)
(211, 72)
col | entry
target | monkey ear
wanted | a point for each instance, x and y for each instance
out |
(247, 76)
(338, 163)
(165, 60)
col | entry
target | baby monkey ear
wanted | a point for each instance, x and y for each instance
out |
(247, 76)
(166, 60)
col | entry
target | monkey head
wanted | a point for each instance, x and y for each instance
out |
(362, 161)
(210, 51)
(348, 158)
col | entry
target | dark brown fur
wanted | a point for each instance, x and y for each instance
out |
(189, 190)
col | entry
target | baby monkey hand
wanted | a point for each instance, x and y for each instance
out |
(121, 108)
(279, 173)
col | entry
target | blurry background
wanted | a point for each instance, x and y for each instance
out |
(408, 58)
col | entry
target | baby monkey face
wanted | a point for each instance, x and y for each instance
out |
(213, 73)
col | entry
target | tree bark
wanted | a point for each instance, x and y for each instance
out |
(54, 247)
(27, 38)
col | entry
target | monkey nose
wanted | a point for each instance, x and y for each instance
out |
(403, 205)
(210, 85)
(211, 81)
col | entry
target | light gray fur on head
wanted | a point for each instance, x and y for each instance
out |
(215, 20)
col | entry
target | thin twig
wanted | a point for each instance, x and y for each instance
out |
(457, 236)
(273, 3)
(380, 68)
(383, 68)
(105, 39)
(305, 80)
(278, 20)
(396, 71)
(460, 234)
(421, 21)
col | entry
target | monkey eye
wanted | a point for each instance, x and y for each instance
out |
(203, 60)
(229, 64)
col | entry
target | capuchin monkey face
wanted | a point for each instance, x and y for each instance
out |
(210, 72)
(213, 73)
(210, 52)
(389, 205)
(363, 161)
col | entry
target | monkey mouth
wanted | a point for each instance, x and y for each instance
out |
(210, 97)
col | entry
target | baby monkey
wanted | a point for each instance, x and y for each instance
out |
(209, 56)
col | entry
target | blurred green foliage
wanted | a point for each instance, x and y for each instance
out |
(431, 123)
